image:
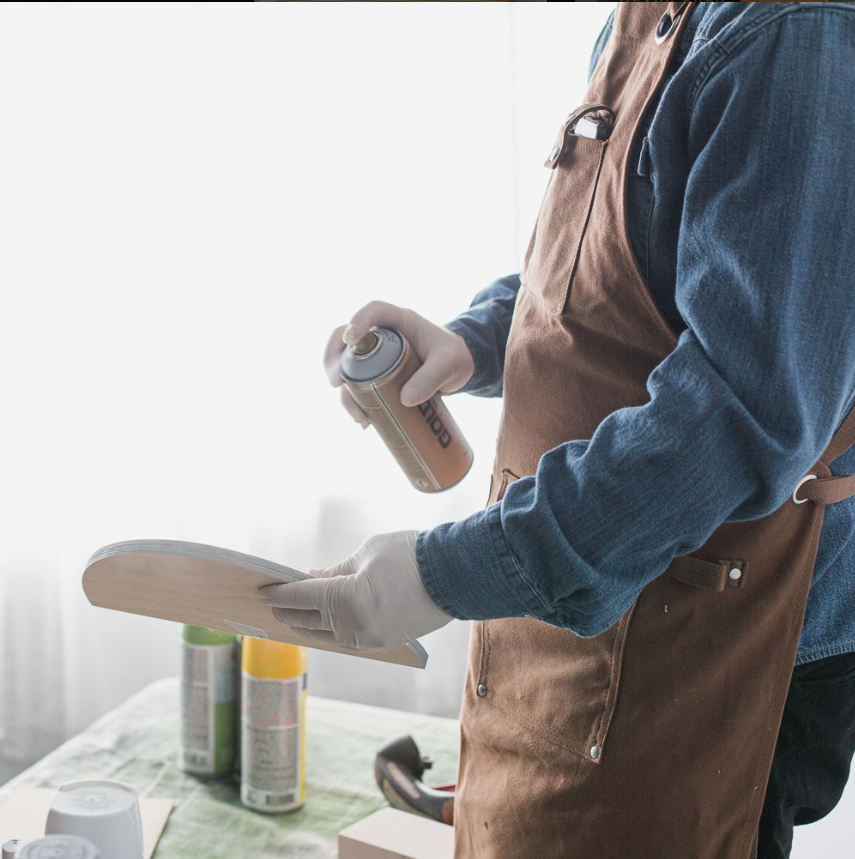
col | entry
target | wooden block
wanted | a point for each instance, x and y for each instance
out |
(205, 586)
(393, 834)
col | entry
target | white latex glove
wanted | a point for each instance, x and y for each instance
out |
(447, 363)
(372, 600)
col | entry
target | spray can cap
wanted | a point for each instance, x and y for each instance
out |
(374, 355)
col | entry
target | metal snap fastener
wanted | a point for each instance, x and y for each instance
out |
(665, 27)
(554, 153)
(799, 486)
(595, 752)
(735, 574)
(481, 690)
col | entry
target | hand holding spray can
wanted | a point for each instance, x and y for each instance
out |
(424, 439)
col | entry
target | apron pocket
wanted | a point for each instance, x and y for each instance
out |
(564, 214)
(559, 687)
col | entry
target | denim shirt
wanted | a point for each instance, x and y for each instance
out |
(740, 210)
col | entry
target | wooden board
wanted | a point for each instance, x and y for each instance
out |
(205, 586)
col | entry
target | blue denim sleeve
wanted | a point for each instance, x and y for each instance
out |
(484, 328)
(759, 380)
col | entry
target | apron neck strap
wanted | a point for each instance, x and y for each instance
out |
(675, 9)
(842, 440)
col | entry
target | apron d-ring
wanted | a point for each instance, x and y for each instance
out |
(799, 485)
(666, 27)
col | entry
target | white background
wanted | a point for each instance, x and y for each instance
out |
(191, 197)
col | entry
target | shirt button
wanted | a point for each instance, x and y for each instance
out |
(481, 690)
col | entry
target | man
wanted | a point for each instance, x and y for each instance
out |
(669, 528)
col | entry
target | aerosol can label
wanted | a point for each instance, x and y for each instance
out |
(207, 709)
(424, 439)
(272, 743)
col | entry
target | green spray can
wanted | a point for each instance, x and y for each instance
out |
(208, 702)
(238, 706)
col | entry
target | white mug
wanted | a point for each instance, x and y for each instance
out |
(11, 848)
(59, 847)
(107, 813)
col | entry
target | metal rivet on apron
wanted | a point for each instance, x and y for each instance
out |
(481, 690)
(665, 27)
(554, 153)
(735, 574)
(595, 751)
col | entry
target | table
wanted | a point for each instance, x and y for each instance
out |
(138, 742)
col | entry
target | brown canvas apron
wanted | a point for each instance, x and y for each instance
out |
(654, 739)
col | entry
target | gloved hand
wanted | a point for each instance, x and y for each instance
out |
(447, 363)
(372, 600)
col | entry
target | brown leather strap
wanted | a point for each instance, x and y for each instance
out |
(842, 440)
(715, 575)
(675, 9)
(827, 490)
(709, 575)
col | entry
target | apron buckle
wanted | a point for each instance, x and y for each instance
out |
(796, 499)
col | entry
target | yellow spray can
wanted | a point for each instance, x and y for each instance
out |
(273, 726)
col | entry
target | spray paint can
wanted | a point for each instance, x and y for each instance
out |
(424, 439)
(236, 673)
(59, 847)
(273, 726)
(208, 702)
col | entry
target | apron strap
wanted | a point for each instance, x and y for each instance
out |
(675, 9)
(827, 490)
(717, 575)
(830, 490)
(709, 575)
(842, 440)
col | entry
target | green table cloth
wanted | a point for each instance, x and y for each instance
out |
(138, 743)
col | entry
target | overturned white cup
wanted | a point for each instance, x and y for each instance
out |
(107, 813)
(59, 847)
(10, 849)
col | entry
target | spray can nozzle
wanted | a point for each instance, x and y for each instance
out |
(366, 345)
